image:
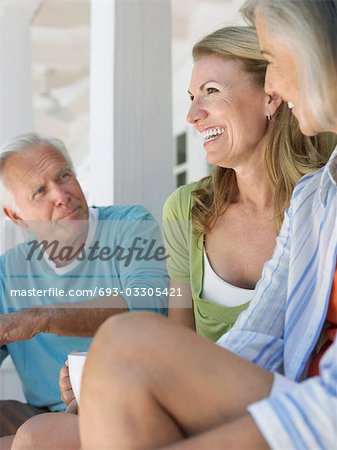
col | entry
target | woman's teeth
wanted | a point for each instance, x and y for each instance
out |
(212, 133)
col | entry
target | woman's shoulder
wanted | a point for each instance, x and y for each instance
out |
(180, 202)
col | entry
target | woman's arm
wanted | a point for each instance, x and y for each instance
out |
(177, 234)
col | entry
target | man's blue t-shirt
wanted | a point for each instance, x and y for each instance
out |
(123, 255)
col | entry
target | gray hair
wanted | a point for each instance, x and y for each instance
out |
(310, 27)
(21, 144)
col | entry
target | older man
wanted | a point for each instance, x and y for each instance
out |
(79, 266)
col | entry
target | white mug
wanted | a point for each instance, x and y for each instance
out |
(76, 364)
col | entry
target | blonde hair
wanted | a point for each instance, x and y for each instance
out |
(309, 27)
(288, 153)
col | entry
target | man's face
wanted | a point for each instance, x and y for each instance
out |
(46, 190)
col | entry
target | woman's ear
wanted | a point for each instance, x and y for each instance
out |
(273, 103)
(15, 218)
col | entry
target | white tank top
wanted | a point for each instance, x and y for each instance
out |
(217, 290)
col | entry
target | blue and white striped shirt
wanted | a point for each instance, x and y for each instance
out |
(281, 327)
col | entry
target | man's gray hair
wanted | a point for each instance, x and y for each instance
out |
(22, 144)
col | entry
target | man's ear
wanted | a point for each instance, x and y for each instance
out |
(14, 217)
(273, 102)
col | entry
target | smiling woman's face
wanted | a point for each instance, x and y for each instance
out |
(228, 110)
(283, 75)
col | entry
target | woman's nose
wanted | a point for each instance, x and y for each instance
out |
(196, 113)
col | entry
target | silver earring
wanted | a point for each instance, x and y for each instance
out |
(268, 116)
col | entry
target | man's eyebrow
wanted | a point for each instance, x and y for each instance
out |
(62, 171)
(66, 168)
(201, 87)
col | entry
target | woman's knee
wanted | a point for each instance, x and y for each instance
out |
(126, 333)
(27, 436)
(53, 431)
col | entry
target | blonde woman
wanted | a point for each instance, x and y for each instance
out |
(184, 392)
(220, 231)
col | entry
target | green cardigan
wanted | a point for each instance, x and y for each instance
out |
(186, 264)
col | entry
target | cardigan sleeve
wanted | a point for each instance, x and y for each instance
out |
(177, 233)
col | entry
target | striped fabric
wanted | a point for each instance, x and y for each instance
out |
(280, 328)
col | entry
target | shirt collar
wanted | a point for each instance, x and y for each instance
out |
(329, 176)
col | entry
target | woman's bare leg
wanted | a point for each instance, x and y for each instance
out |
(6, 442)
(50, 431)
(149, 383)
(239, 434)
